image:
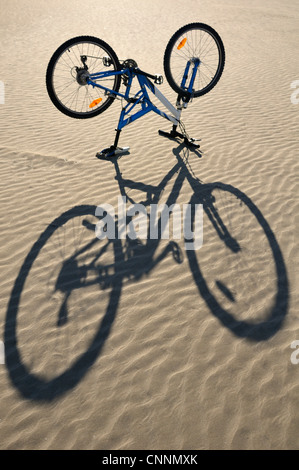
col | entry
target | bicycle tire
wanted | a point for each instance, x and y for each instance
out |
(63, 64)
(192, 40)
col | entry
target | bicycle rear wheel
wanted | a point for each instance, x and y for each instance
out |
(68, 69)
(193, 44)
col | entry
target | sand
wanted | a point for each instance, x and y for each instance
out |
(118, 346)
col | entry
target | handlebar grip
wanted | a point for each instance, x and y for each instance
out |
(159, 79)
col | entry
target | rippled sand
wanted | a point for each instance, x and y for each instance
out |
(148, 346)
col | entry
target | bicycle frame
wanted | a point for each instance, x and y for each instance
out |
(142, 98)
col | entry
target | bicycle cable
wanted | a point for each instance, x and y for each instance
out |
(183, 130)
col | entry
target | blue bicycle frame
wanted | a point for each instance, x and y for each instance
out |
(142, 98)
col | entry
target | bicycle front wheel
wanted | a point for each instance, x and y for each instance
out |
(194, 45)
(68, 70)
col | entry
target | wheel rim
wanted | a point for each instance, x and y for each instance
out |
(69, 78)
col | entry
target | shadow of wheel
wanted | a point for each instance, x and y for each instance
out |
(35, 386)
(239, 208)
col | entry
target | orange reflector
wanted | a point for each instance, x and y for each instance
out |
(182, 43)
(95, 102)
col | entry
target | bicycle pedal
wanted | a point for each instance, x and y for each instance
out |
(121, 151)
(170, 135)
(112, 151)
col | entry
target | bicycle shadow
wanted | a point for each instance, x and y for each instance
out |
(263, 330)
(30, 385)
(132, 260)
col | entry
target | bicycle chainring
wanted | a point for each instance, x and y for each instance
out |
(129, 63)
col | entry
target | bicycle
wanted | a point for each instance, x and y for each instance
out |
(77, 261)
(84, 76)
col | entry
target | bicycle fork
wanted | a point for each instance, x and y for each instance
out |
(181, 103)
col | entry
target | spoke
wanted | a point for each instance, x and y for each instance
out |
(83, 101)
(181, 54)
(202, 46)
(204, 43)
(204, 76)
(210, 69)
(189, 47)
(69, 95)
(75, 64)
(64, 87)
(64, 58)
(73, 97)
(203, 54)
(62, 66)
(92, 64)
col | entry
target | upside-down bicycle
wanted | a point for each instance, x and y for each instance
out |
(84, 77)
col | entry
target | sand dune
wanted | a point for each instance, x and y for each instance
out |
(144, 345)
